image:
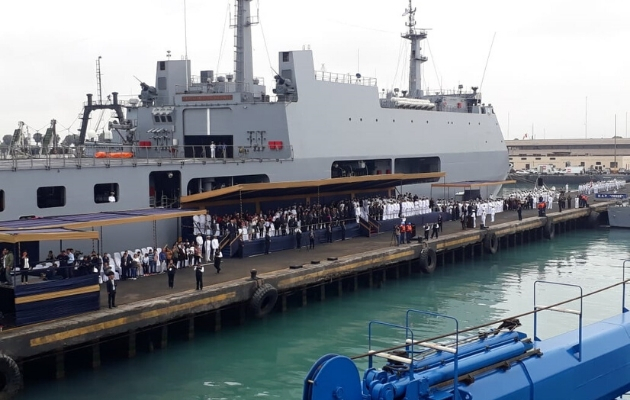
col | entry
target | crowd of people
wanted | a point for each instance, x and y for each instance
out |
(211, 232)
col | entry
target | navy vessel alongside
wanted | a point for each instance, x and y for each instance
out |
(185, 134)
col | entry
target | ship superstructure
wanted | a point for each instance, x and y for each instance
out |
(188, 133)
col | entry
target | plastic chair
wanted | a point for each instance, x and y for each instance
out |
(116, 259)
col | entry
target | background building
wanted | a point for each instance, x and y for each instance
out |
(596, 154)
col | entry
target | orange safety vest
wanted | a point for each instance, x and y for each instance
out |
(541, 205)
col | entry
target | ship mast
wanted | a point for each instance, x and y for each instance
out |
(243, 60)
(416, 59)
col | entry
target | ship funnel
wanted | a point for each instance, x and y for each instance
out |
(89, 99)
(115, 98)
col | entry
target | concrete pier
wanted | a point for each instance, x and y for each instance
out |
(148, 304)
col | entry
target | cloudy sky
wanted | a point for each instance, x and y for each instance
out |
(553, 63)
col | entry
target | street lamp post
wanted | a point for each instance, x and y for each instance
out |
(615, 162)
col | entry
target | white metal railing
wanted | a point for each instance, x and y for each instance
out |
(118, 155)
(345, 78)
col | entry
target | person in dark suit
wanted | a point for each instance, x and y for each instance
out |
(217, 260)
(170, 272)
(329, 235)
(111, 290)
(435, 231)
(343, 230)
(311, 238)
(125, 265)
(241, 247)
(199, 276)
(267, 242)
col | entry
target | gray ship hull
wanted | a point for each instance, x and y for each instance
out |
(619, 217)
(318, 125)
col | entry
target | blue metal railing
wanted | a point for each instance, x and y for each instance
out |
(538, 308)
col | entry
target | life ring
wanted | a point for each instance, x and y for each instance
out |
(428, 260)
(549, 231)
(11, 377)
(263, 300)
(491, 243)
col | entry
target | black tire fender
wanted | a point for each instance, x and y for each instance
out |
(593, 220)
(549, 231)
(491, 243)
(12, 377)
(428, 260)
(263, 300)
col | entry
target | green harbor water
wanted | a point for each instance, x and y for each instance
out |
(269, 358)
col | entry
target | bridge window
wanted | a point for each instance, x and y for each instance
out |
(51, 196)
(106, 193)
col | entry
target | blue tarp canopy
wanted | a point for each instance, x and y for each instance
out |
(470, 184)
(81, 221)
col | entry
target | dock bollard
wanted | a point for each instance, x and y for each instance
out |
(253, 273)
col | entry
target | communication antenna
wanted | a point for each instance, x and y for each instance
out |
(487, 60)
(99, 87)
(186, 43)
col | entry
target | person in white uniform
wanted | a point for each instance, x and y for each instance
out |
(207, 247)
(215, 246)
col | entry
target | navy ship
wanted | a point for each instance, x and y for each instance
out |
(187, 133)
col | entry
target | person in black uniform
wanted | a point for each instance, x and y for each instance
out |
(267, 242)
(519, 210)
(439, 221)
(217, 260)
(111, 290)
(343, 230)
(426, 231)
(170, 272)
(199, 276)
(329, 233)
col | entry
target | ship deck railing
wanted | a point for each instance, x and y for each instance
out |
(84, 156)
